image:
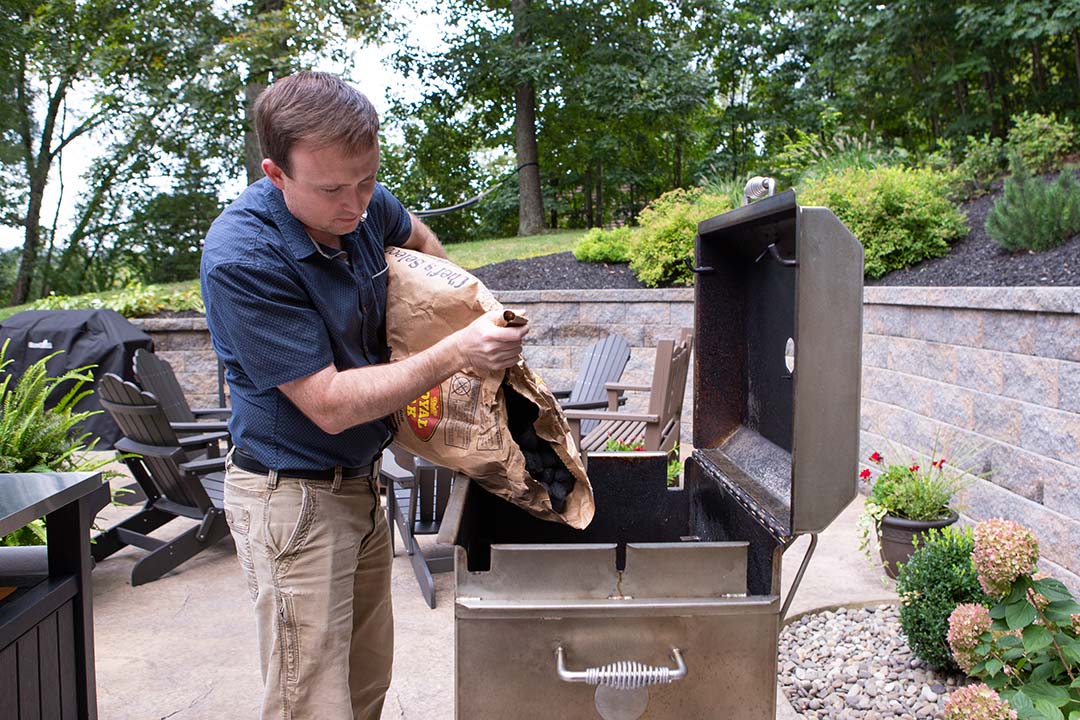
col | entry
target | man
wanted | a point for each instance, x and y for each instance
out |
(294, 281)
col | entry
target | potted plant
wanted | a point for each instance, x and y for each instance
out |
(37, 438)
(906, 500)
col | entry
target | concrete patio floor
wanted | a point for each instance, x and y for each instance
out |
(183, 647)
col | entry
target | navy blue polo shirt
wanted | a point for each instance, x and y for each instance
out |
(280, 307)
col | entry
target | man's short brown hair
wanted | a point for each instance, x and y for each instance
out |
(317, 108)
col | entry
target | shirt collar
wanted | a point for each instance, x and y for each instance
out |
(292, 230)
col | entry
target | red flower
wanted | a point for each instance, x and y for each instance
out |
(876, 457)
(865, 474)
(914, 468)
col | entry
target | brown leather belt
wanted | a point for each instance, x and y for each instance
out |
(245, 462)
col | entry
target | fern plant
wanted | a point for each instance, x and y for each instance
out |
(34, 438)
(1033, 214)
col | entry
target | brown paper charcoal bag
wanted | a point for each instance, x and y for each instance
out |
(505, 430)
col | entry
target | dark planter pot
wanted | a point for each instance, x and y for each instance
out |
(898, 535)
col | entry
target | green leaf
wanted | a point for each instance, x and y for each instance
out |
(1042, 690)
(1020, 701)
(998, 611)
(1036, 637)
(1048, 710)
(1071, 648)
(993, 666)
(1052, 589)
(1008, 641)
(1020, 615)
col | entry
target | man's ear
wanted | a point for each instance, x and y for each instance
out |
(274, 172)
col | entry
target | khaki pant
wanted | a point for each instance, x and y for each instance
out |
(317, 558)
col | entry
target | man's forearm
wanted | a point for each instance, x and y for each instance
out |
(337, 401)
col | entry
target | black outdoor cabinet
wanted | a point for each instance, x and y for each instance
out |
(46, 620)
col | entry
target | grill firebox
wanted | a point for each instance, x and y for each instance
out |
(668, 605)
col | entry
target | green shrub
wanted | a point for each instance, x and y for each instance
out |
(832, 149)
(938, 577)
(668, 228)
(1041, 141)
(984, 161)
(605, 246)
(131, 302)
(901, 216)
(1033, 214)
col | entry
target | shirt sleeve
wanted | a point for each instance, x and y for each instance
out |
(270, 325)
(392, 216)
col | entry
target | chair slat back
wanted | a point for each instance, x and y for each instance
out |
(140, 418)
(669, 386)
(604, 362)
(157, 376)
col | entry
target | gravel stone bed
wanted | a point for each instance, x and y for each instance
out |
(856, 663)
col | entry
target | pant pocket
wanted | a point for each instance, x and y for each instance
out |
(239, 520)
(289, 514)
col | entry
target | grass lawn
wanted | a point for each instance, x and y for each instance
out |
(484, 252)
(135, 303)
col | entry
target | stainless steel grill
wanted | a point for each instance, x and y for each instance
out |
(668, 605)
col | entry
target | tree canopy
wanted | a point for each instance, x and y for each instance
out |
(585, 110)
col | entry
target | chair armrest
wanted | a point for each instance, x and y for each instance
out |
(624, 386)
(190, 441)
(607, 415)
(128, 446)
(591, 405)
(565, 392)
(203, 466)
(203, 426)
(212, 412)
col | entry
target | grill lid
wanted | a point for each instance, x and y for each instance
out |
(778, 346)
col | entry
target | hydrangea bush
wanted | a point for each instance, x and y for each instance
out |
(977, 702)
(1026, 647)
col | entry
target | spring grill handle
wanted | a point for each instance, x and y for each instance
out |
(624, 674)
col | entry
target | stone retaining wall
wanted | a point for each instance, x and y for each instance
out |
(996, 368)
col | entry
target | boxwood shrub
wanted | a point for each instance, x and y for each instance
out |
(938, 577)
(605, 246)
(668, 227)
(900, 215)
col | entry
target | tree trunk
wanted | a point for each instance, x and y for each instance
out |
(1076, 58)
(530, 201)
(252, 154)
(31, 239)
(598, 206)
(678, 163)
(1038, 72)
(258, 79)
(588, 198)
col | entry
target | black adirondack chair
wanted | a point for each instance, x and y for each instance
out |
(416, 495)
(175, 485)
(603, 363)
(156, 375)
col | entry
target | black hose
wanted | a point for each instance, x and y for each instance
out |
(473, 200)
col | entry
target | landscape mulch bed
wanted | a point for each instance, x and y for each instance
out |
(975, 260)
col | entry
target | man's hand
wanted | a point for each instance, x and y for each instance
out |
(486, 344)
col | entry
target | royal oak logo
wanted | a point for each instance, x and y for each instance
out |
(424, 413)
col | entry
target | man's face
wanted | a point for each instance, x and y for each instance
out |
(326, 189)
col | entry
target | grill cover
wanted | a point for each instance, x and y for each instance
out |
(87, 337)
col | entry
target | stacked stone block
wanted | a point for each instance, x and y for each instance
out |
(994, 372)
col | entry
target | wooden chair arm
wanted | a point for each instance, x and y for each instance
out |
(203, 466)
(199, 427)
(625, 386)
(191, 441)
(212, 412)
(607, 415)
(592, 405)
